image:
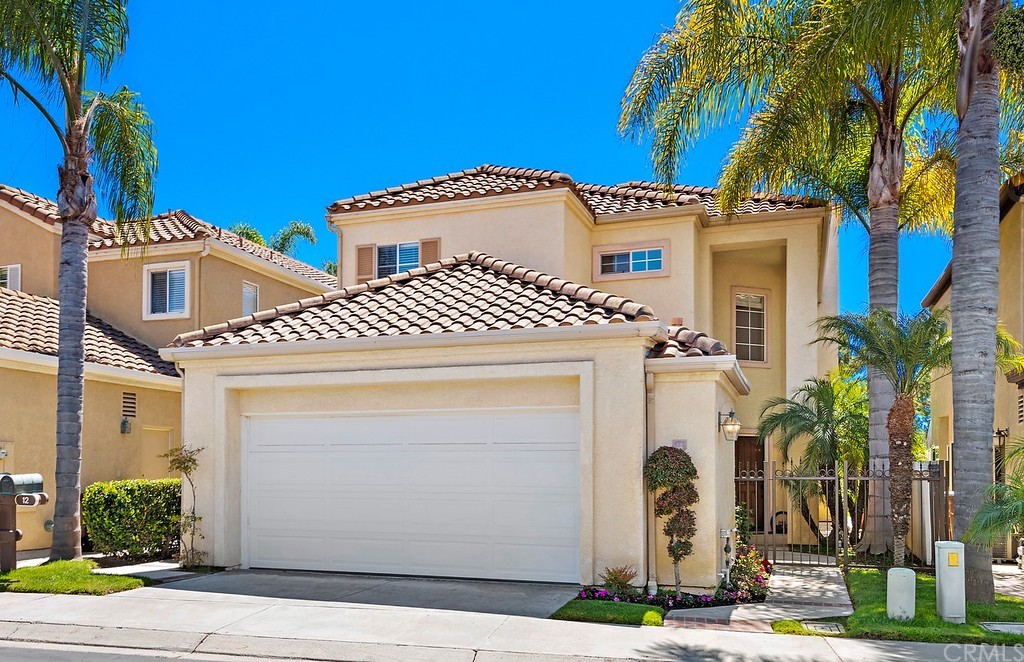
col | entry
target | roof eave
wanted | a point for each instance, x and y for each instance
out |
(17, 359)
(727, 364)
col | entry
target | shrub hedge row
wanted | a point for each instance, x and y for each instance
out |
(134, 519)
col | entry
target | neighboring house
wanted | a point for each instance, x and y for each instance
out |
(1009, 390)
(470, 416)
(189, 274)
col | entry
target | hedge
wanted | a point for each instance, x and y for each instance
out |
(134, 519)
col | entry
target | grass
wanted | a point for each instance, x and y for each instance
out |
(869, 620)
(72, 577)
(601, 611)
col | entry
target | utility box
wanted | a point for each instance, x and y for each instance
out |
(12, 484)
(950, 588)
(901, 593)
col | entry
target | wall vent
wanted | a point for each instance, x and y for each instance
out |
(128, 408)
(1020, 407)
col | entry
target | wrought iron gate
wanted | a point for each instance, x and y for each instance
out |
(822, 516)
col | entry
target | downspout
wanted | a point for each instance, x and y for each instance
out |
(649, 519)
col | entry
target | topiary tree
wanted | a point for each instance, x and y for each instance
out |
(670, 476)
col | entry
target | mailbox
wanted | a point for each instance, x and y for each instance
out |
(12, 484)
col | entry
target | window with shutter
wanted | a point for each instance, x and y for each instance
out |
(396, 258)
(166, 291)
(250, 297)
(365, 262)
(430, 251)
(10, 276)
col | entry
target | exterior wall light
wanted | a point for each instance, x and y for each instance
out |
(126, 425)
(729, 426)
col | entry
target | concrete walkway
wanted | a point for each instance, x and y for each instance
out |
(794, 592)
(1009, 579)
(192, 619)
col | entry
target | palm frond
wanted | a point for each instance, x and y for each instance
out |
(249, 232)
(284, 239)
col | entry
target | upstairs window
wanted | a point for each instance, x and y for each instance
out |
(749, 335)
(250, 298)
(396, 258)
(630, 261)
(10, 276)
(166, 293)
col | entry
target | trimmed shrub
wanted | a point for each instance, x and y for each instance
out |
(133, 519)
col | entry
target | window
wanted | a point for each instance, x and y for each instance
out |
(396, 258)
(631, 262)
(643, 259)
(250, 298)
(166, 291)
(10, 276)
(749, 340)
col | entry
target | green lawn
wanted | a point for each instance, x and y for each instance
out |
(867, 590)
(74, 577)
(599, 611)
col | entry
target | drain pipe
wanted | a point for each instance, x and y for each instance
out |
(650, 521)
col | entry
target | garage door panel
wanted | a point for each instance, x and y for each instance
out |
(471, 494)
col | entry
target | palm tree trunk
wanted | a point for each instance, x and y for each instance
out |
(77, 206)
(901, 434)
(974, 302)
(884, 181)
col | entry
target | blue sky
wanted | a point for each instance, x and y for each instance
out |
(265, 113)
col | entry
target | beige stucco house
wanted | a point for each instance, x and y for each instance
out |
(1008, 427)
(190, 274)
(488, 414)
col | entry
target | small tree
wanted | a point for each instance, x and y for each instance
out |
(186, 461)
(670, 476)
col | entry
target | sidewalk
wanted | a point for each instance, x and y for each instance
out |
(193, 621)
(795, 592)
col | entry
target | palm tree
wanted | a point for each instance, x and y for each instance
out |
(48, 50)
(909, 352)
(1002, 512)
(827, 419)
(830, 91)
(282, 241)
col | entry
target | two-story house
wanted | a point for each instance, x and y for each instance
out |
(189, 274)
(1008, 427)
(488, 415)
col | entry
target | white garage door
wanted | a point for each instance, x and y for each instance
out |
(446, 493)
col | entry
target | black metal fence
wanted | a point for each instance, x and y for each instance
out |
(838, 515)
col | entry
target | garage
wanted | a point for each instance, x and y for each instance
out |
(458, 493)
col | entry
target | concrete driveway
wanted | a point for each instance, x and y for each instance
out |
(276, 586)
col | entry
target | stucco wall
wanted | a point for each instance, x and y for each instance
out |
(28, 434)
(35, 248)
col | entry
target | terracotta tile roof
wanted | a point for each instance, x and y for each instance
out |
(488, 180)
(30, 323)
(684, 342)
(166, 227)
(179, 225)
(472, 292)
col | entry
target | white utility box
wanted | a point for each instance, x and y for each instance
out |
(950, 591)
(900, 593)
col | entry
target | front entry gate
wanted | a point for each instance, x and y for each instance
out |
(828, 516)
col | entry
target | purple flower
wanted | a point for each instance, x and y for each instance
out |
(616, 598)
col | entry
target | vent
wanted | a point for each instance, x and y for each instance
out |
(128, 405)
(1020, 408)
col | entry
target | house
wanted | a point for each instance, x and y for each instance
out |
(488, 414)
(190, 273)
(1009, 389)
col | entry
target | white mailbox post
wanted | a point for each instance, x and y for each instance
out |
(950, 591)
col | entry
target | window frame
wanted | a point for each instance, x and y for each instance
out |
(9, 267)
(147, 290)
(612, 249)
(256, 286)
(398, 263)
(761, 292)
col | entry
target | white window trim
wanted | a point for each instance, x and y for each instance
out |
(255, 285)
(398, 247)
(767, 294)
(598, 251)
(10, 268)
(146, 290)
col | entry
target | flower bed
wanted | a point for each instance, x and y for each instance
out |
(750, 574)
